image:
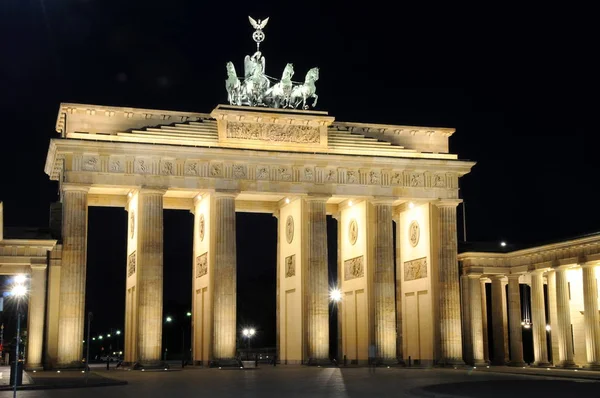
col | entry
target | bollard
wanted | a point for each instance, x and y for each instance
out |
(409, 362)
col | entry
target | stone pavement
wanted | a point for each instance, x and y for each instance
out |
(298, 381)
(42, 380)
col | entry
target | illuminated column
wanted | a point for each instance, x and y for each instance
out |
(538, 314)
(225, 280)
(552, 316)
(35, 317)
(399, 347)
(384, 295)
(449, 287)
(498, 319)
(317, 289)
(562, 328)
(150, 276)
(72, 281)
(590, 313)
(466, 318)
(277, 215)
(475, 313)
(516, 332)
(484, 320)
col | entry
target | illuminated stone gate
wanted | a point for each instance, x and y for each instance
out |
(298, 165)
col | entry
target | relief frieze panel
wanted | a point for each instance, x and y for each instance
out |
(354, 268)
(167, 167)
(240, 171)
(191, 168)
(273, 133)
(131, 264)
(290, 266)
(415, 269)
(116, 164)
(90, 163)
(201, 265)
(142, 166)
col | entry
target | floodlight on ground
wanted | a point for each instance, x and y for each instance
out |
(19, 290)
(20, 279)
(335, 295)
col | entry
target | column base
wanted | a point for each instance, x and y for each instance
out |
(592, 366)
(318, 362)
(568, 365)
(225, 363)
(34, 366)
(479, 362)
(71, 365)
(450, 362)
(150, 365)
(518, 364)
(542, 364)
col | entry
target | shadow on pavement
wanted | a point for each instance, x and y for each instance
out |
(514, 388)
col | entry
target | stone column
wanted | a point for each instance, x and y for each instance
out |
(562, 328)
(538, 315)
(514, 316)
(339, 305)
(150, 276)
(484, 320)
(449, 288)
(383, 286)
(37, 307)
(72, 281)
(498, 320)
(277, 215)
(317, 285)
(552, 321)
(467, 341)
(590, 314)
(398, 254)
(476, 322)
(225, 281)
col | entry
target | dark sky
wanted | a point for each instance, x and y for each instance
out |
(515, 81)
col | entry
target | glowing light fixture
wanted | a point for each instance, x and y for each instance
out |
(19, 290)
(287, 201)
(169, 319)
(350, 203)
(411, 205)
(548, 328)
(20, 279)
(335, 295)
(503, 244)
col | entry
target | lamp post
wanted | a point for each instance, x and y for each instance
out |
(18, 291)
(248, 333)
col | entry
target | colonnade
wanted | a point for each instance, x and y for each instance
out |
(214, 280)
(507, 317)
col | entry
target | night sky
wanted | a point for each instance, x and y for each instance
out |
(515, 82)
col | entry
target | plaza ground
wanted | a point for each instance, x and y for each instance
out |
(298, 381)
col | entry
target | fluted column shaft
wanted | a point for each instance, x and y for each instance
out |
(317, 289)
(476, 321)
(498, 320)
(514, 311)
(563, 318)
(150, 275)
(466, 309)
(538, 315)
(225, 281)
(590, 314)
(72, 277)
(449, 287)
(484, 321)
(553, 355)
(384, 295)
(36, 315)
(398, 254)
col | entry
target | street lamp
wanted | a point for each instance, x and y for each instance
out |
(18, 291)
(335, 295)
(248, 333)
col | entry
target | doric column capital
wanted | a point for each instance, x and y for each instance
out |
(69, 187)
(381, 200)
(447, 202)
(589, 264)
(474, 275)
(152, 191)
(226, 193)
(513, 277)
(316, 197)
(499, 277)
